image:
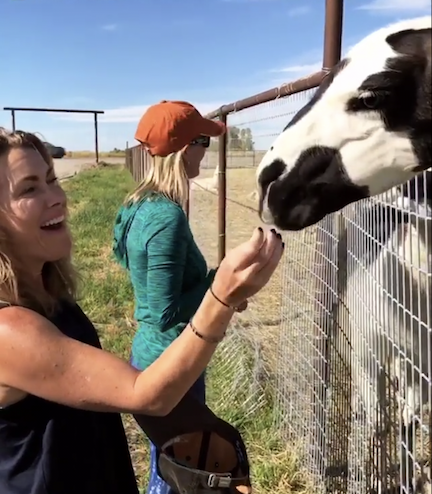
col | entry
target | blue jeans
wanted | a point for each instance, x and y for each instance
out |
(156, 484)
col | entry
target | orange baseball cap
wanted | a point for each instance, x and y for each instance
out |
(169, 126)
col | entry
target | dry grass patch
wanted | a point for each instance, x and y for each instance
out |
(263, 316)
(91, 154)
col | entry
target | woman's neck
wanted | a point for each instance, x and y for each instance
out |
(35, 276)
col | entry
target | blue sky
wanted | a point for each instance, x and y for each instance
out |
(121, 56)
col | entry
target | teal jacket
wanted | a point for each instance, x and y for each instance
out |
(169, 275)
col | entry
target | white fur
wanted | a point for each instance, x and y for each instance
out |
(371, 155)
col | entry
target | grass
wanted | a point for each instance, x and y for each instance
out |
(91, 154)
(106, 296)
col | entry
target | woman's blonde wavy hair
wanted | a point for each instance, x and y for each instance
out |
(166, 176)
(59, 277)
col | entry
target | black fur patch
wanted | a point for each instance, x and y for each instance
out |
(317, 186)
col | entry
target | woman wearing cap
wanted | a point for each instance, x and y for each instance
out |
(154, 242)
(61, 394)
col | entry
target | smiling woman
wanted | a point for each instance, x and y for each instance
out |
(61, 395)
(36, 224)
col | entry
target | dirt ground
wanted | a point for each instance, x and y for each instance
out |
(291, 280)
(66, 167)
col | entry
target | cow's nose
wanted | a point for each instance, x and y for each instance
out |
(264, 211)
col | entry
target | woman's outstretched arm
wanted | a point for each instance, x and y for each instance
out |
(35, 357)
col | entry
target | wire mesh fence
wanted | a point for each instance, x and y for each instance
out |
(387, 297)
(203, 214)
(341, 337)
(264, 122)
(284, 323)
(337, 348)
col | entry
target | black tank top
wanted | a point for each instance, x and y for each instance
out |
(46, 448)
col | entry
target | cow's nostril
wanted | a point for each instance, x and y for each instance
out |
(270, 174)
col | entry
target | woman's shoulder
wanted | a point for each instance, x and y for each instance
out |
(68, 318)
(159, 202)
(159, 211)
(20, 323)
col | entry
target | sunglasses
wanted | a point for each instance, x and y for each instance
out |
(203, 141)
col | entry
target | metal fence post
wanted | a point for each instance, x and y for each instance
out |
(325, 276)
(222, 190)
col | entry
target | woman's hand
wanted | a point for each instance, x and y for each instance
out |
(247, 269)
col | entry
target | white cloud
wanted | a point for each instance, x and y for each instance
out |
(266, 121)
(110, 27)
(308, 63)
(125, 114)
(301, 69)
(397, 6)
(299, 11)
(117, 125)
(301, 64)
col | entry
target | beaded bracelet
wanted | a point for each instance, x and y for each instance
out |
(205, 338)
(235, 309)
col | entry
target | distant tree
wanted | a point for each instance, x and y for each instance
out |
(246, 139)
(238, 140)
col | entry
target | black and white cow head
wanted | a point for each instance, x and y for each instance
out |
(367, 129)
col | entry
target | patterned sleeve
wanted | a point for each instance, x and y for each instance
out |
(166, 250)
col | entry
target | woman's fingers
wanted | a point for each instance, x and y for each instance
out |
(269, 246)
(267, 261)
(246, 269)
(267, 268)
(251, 249)
(266, 252)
